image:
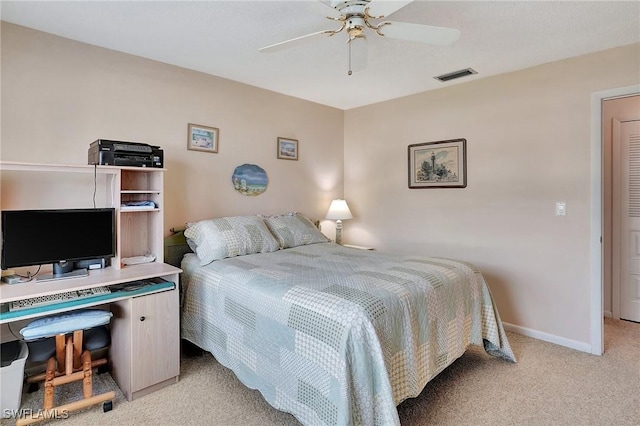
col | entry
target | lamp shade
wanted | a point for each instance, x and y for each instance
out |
(339, 210)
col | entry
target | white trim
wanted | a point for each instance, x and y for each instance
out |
(597, 299)
(551, 338)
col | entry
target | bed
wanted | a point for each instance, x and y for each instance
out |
(333, 335)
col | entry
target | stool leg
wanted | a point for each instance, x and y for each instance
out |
(48, 384)
(87, 384)
(77, 349)
(60, 352)
(69, 356)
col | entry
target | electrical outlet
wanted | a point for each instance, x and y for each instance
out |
(561, 208)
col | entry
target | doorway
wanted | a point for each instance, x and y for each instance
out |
(621, 137)
(597, 282)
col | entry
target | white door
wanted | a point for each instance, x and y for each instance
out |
(629, 173)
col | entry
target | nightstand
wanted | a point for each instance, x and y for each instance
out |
(358, 247)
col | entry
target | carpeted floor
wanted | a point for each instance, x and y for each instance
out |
(550, 385)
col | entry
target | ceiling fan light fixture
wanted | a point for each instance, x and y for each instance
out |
(357, 15)
(355, 26)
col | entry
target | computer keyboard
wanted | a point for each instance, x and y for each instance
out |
(35, 302)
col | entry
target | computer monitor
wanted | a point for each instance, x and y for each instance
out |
(61, 237)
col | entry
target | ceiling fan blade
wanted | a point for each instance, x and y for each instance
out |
(294, 42)
(331, 11)
(358, 54)
(382, 8)
(417, 32)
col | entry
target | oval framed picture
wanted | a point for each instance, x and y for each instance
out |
(249, 179)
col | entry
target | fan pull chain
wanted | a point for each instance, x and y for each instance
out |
(350, 71)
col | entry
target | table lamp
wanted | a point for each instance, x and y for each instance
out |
(339, 211)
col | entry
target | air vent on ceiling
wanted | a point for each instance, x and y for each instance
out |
(456, 74)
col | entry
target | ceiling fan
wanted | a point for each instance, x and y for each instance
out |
(356, 16)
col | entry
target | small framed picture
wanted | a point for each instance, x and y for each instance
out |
(287, 149)
(441, 164)
(203, 138)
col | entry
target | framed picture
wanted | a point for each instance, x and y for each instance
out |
(441, 164)
(287, 149)
(203, 138)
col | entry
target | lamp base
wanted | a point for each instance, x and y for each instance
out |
(339, 231)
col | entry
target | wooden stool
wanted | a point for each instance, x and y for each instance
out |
(71, 361)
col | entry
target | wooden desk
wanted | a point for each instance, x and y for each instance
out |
(145, 329)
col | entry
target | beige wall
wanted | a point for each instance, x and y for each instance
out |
(59, 95)
(528, 146)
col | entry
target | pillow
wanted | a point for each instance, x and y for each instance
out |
(293, 229)
(65, 323)
(216, 239)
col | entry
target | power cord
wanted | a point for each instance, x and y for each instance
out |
(29, 275)
(95, 183)
(13, 333)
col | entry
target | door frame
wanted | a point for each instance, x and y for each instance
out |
(597, 224)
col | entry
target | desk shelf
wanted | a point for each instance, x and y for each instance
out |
(138, 210)
(82, 303)
(96, 278)
(135, 234)
(67, 168)
(144, 353)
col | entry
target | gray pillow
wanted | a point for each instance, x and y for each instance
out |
(293, 229)
(216, 239)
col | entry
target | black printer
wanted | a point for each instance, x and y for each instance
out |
(117, 153)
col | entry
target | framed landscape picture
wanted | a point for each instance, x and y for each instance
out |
(441, 164)
(287, 149)
(202, 138)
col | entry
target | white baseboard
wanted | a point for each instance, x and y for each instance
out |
(551, 338)
(608, 314)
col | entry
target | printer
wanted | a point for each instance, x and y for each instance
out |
(117, 153)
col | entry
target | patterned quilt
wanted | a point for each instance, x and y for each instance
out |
(336, 335)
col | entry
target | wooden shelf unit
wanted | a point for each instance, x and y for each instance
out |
(141, 229)
(145, 352)
(138, 231)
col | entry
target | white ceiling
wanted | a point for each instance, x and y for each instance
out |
(223, 37)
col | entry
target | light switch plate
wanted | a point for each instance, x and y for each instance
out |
(561, 208)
